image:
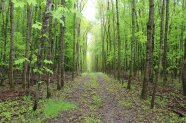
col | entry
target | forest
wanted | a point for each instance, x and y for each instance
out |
(93, 61)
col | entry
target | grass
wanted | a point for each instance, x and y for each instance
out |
(125, 102)
(96, 100)
(94, 84)
(92, 120)
(53, 107)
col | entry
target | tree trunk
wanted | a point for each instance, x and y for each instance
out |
(50, 42)
(108, 36)
(132, 45)
(11, 45)
(160, 53)
(114, 39)
(78, 46)
(182, 39)
(165, 44)
(184, 71)
(74, 45)
(102, 38)
(119, 42)
(62, 32)
(28, 35)
(41, 49)
(149, 51)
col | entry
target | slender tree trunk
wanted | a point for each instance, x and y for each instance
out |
(28, 36)
(114, 39)
(184, 71)
(165, 44)
(74, 44)
(78, 46)
(49, 57)
(149, 51)
(132, 45)
(62, 29)
(2, 54)
(182, 39)
(119, 42)
(161, 39)
(125, 40)
(160, 53)
(41, 49)
(102, 38)
(5, 32)
(11, 60)
(108, 36)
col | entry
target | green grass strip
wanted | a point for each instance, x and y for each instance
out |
(53, 107)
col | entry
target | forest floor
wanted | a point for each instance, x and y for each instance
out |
(91, 98)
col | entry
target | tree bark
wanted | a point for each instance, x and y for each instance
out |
(28, 36)
(11, 61)
(149, 51)
(160, 53)
(119, 41)
(114, 39)
(184, 71)
(62, 29)
(102, 38)
(50, 42)
(41, 49)
(133, 45)
(74, 45)
(165, 44)
(78, 46)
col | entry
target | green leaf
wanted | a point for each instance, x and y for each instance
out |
(37, 71)
(48, 61)
(37, 25)
(20, 61)
(18, 4)
(32, 2)
(58, 13)
(48, 70)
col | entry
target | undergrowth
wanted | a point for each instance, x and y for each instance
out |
(53, 107)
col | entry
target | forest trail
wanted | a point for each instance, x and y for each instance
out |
(96, 101)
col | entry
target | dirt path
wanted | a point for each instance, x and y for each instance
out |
(112, 111)
(96, 103)
(101, 99)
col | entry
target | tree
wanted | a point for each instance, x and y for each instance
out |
(132, 45)
(184, 71)
(165, 44)
(28, 35)
(102, 36)
(62, 37)
(11, 61)
(160, 53)
(119, 42)
(50, 42)
(149, 51)
(41, 49)
(114, 39)
(74, 42)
